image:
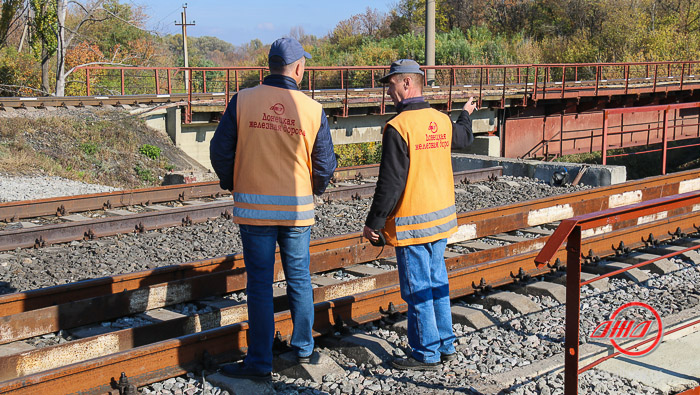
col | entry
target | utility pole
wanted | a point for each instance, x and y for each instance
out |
(184, 25)
(430, 40)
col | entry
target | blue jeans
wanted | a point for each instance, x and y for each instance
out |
(259, 257)
(426, 290)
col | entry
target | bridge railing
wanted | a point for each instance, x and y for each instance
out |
(669, 131)
(572, 230)
(352, 84)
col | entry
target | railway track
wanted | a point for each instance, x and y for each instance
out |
(493, 247)
(156, 208)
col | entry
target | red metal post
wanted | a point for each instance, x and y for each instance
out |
(546, 80)
(665, 142)
(345, 104)
(157, 82)
(170, 87)
(122, 80)
(382, 109)
(627, 77)
(228, 88)
(598, 70)
(235, 76)
(87, 81)
(261, 77)
(563, 80)
(481, 80)
(372, 78)
(656, 72)
(188, 109)
(573, 305)
(604, 148)
(527, 79)
(449, 99)
(534, 92)
(342, 80)
(503, 96)
(204, 81)
(682, 72)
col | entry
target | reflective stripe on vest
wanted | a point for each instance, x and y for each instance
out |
(403, 222)
(267, 214)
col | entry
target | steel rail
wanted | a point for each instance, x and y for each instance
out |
(474, 224)
(141, 222)
(16, 210)
(172, 357)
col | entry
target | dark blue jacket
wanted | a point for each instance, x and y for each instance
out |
(222, 149)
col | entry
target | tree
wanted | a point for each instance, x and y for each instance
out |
(8, 17)
(44, 40)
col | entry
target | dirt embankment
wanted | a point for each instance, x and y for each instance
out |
(100, 146)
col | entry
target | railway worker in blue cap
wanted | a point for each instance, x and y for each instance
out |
(413, 209)
(273, 150)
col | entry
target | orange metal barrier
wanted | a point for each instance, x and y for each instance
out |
(682, 131)
(517, 82)
(569, 231)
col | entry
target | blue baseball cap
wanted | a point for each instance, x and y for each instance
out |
(288, 49)
(402, 66)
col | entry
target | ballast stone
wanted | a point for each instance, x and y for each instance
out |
(635, 274)
(662, 266)
(510, 300)
(362, 348)
(545, 288)
(476, 318)
(236, 386)
(602, 285)
(320, 365)
(693, 255)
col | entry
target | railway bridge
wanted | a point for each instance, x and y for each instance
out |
(525, 111)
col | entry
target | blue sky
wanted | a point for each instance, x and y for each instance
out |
(238, 22)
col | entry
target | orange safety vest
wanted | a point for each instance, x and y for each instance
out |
(272, 175)
(426, 210)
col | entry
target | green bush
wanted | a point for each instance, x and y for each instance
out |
(144, 174)
(88, 148)
(150, 151)
(358, 154)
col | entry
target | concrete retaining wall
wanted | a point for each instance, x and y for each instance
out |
(595, 175)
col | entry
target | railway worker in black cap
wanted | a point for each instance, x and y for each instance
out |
(414, 210)
(273, 150)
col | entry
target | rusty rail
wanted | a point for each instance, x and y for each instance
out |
(570, 231)
(16, 210)
(479, 223)
(140, 222)
(167, 358)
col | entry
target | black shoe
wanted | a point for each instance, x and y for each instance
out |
(306, 359)
(411, 363)
(448, 357)
(240, 371)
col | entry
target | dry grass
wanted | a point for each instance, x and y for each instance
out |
(91, 146)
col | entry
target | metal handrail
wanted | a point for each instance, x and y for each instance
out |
(570, 231)
(537, 85)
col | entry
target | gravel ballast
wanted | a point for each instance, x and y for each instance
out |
(25, 269)
(515, 342)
